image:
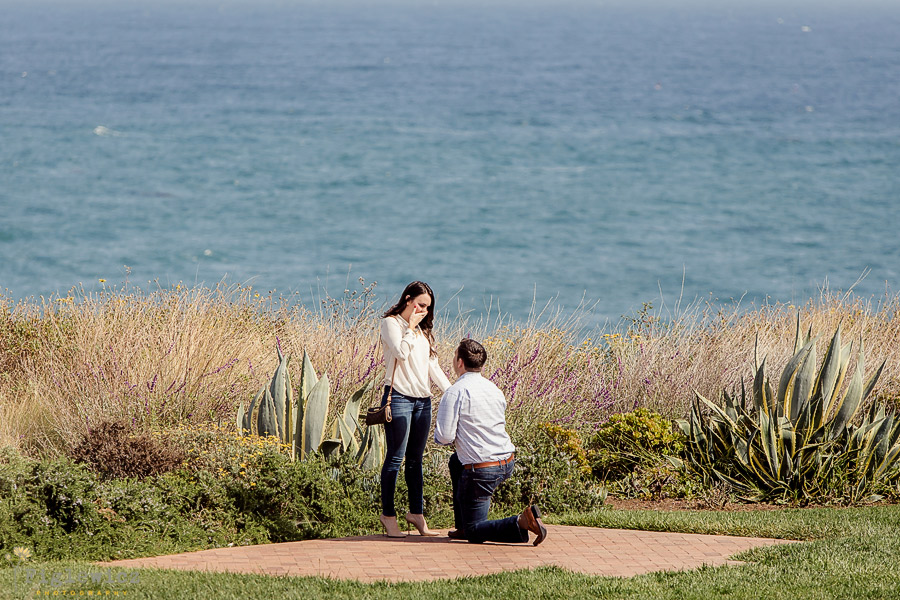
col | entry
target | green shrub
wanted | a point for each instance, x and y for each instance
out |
(632, 440)
(568, 443)
(551, 471)
(255, 479)
(658, 478)
(234, 490)
(67, 493)
(47, 506)
(60, 510)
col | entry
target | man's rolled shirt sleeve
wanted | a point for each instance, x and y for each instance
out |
(447, 418)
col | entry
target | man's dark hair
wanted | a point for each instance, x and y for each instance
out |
(472, 354)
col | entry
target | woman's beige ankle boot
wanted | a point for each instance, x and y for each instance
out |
(418, 521)
(391, 529)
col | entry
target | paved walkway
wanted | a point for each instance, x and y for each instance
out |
(369, 558)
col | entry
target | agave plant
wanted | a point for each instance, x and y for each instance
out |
(301, 424)
(800, 442)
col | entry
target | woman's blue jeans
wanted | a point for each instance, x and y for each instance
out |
(406, 436)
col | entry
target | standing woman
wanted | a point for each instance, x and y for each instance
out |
(411, 366)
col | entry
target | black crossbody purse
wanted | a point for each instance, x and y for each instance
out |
(382, 415)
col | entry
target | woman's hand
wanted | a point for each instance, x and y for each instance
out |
(416, 317)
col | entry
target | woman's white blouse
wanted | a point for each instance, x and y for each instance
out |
(410, 349)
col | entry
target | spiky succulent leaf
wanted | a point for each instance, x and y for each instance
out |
(364, 456)
(789, 378)
(891, 459)
(288, 409)
(803, 384)
(372, 450)
(348, 437)
(868, 458)
(870, 384)
(277, 389)
(844, 364)
(315, 414)
(351, 410)
(330, 449)
(762, 401)
(267, 419)
(335, 432)
(769, 444)
(830, 370)
(239, 421)
(716, 409)
(850, 403)
(308, 378)
(297, 444)
(798, 340)
(251, 418)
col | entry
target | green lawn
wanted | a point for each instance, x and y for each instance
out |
(848, 553)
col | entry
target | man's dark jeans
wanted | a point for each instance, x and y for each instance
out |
(472, 491)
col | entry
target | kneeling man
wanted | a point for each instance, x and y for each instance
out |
(472, 416)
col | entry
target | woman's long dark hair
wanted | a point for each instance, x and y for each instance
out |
(412, 291)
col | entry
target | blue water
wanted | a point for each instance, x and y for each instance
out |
(513, 152)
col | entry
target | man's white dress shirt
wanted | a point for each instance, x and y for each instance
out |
(472, 415)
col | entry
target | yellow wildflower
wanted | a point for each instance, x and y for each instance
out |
(22, 552)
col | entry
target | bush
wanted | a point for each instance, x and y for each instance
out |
(254, 478)
(632, 440)
(567, 442)
(233, 490)
(656, 479)
(48, 506)
(113, 453)
(637, 455)
(246, 493)
(551, 470)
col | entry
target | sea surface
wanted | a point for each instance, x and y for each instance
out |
(507, 153)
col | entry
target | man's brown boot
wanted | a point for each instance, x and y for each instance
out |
(530, 519)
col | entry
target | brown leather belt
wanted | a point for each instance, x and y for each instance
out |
(493, 463)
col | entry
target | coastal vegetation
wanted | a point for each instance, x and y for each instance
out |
(299, 421)
(189, 356)
(207, 487)
(130, 426)
(800, 442)
(605, 400)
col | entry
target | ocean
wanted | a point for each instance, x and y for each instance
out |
(510, 154)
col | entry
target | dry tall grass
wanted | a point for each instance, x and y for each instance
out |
(182, 355)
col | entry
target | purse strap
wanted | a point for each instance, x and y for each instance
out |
(394, 372)
(391, 390)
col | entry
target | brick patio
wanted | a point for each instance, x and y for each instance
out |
(593, 551)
